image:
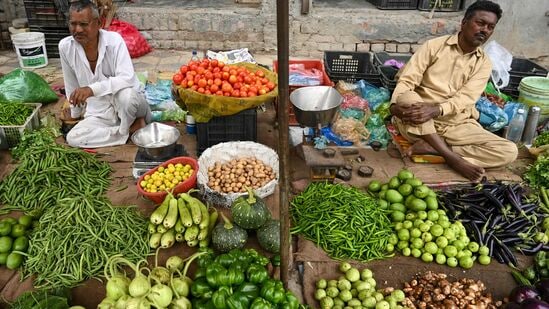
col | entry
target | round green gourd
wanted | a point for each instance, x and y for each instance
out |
(227, 236)
(268, 236)
(249, 211)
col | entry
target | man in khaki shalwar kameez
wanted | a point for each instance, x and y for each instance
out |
(434, 100)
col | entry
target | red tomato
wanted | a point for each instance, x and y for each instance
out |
(200, 90)
(262, 91)
(217, 81)
(226, 87)
(252, 94)
(270, 85)
(260, 73)
(221, 64)
(202, 83)
(264, 80)
(237, 85)
(253, 89)
(200, 70)
(184, 83)
(233, 72)
(194, 87)
(177, 78)
(225, 69)
(219, 92)
(235, 93)
(214, 88)
(227, 94)
(207, 92)
(216, 70)
(190, 83)
(210, 82)
(243, 94)
(214, 63)
(208, 75)
(217, 75)
(225, 75)
(233, 79)
(183, 69)
(247, 79)
(193, 67)
(239, 79)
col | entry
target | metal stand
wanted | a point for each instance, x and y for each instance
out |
(322, 166)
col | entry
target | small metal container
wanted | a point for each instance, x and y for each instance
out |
(531, 125)
(157, 140)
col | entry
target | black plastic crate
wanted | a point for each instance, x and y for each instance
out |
(238, 127)
(388, 74)
(524, 67)
(350, 66)
(381, 57)
(45, 13)
(444, 6)
(52, 37)
(395, 4)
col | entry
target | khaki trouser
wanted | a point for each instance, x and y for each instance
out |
(465, 137)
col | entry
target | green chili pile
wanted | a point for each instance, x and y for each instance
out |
(14, 114)
(343, 221)
(48, 173)
(73, 240)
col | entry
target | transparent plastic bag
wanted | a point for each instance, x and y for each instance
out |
(492, 117)
(374, 95)
(378, 131)
(501, 63)
(352, 130)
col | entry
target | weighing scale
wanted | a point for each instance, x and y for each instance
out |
(143, 162)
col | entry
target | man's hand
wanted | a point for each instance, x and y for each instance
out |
(416, 113)
(80, 95)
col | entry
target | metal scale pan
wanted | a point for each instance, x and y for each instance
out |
(315, 106)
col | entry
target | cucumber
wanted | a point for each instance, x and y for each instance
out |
(192, 243)
(159, 213)
(202, 234)
(154, 240)
(205, 216)
(179, 227)
(171, 216)
(194, 207)
(184, 213)
(168, 239)
(191, 233)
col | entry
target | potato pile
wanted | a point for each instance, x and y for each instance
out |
(234, 176)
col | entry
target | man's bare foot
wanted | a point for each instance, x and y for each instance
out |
(420, 147)
(466, 169)
(137, 124)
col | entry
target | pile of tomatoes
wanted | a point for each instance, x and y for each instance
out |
(215, 78)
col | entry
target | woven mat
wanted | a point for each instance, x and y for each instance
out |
(402, 145)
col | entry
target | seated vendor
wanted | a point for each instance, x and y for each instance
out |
(434, 100)
(100, 79)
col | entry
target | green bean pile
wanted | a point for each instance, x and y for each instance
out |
(343, 221)
(14, 114)
(74, 240)
(49, 173)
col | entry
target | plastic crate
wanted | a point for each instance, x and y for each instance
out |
(381, 57)
(308, 64)
(52, 37)
(388, 74)
(395, 4)
(44, 13)
(524, 67)
(238, 127)
(11, 135)
(444, 6)
(350, 67)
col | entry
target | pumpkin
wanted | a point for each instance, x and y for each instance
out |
(249, 211)
(268, 236)
(227, 236)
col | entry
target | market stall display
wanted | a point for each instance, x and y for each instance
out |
(14, 240)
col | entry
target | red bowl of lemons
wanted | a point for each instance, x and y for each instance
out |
(176, 175)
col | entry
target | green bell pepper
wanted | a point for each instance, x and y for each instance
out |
(291, 302)
(273, 291)
(238, 301)
(250, 290)
(202, 304)
(217, 275)
(225, 259)
(219, 297)
(201, 289)
(275, 260)
(257, 274)
(236, 275)
(261, 303)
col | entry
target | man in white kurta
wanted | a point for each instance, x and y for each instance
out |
(99, 76)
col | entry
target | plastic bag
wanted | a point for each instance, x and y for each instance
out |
(203, 106)
(136, 43)
(511, 108)
(374, 95)
(501, 63)
(492, 117)
(300, 76)
(232, 56)
(378, 131)
(351, 100)
(351, 129)
(344, 87)
(21, 86)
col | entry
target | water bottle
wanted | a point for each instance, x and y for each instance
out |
(516, 126)
(531, 125)
(194, 57)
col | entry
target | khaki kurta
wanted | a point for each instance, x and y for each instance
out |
(440, 73)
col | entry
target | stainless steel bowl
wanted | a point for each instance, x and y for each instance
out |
(315, 105)
(156, 139)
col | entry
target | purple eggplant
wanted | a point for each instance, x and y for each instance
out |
(523, 292)
(543, 287)
(534, 303)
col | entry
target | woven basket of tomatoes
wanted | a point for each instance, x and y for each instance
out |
(210, 88)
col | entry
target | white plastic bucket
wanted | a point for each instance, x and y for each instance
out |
(31, 49)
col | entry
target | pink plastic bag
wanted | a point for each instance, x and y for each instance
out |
(136, 43)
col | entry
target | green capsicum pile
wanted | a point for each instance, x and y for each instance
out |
(238, 280)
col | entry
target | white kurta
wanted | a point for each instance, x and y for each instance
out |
(118, 96)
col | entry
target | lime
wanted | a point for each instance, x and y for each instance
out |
(21, 243)
(390, 248)
(442, 242)
(418, 205)
(14, 260)
(5, 228)
(398, 295)
(452, 262)
(383, 204)
(422, 215)
(405, 189)
(18, 230)
(369, 302)
(431, 202)
(398, 226)
(3, 258)
(418, 222)
(408, 200)
(344, 266)
(394, 182)
(427, 257)
(404, 174)
(440, 259)
(406, 251)
(393, 239)
(384, 187)
(402, 244)
(483, 250)
(9, 220)
(397, 216)
(424, 227)
(415, 232)
(473, 246)
(416, 252)
(381, 194)
(393, 196)
(414, 182)
(450, 235)
(426, 237)
(421, 191)
(5, 244)
(417, 243)
(432, 215)
(467, 252)
(366, 273)
(321, 284)
(411, 216)
(374, 186)
(466, 262)
(431, 247)
(484, 260)
(437, 230)
(383, 304)
(407, 224)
